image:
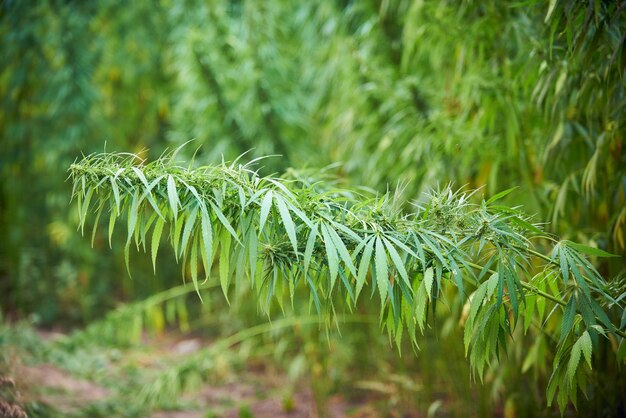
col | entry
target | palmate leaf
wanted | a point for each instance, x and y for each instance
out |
(311, 238)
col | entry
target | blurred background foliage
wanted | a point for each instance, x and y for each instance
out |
(402, 93)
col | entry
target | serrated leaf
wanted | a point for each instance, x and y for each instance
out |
(568, 318)
(331, 256)
(563, 264)
(526, 225)
(574, 359)
(382, 272)
(222, 218)
(512, 291)
(492, 283)
(364, 265)
(529, 310)
(428, 281)
(421, 301)
(310, 246)
(601, 314)
(342, 250)
(586, 346)
(266, 205)
(595, 252)
(477, 300)
(397, 261)
(287, 222)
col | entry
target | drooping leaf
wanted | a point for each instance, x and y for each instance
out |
(331, 256)
(172, 195)
(287, 222)
(382, 273)
(364, 265)
(156, 239)
(266, 205)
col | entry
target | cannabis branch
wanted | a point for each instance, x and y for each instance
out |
(278, 235)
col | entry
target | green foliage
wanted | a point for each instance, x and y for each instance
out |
(260, 225)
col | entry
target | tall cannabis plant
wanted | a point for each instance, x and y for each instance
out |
(276, 235)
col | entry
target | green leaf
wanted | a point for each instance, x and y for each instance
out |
(382, 273)
(287, 222)
(421, 302)
(178, 227)
(207, 240)
(224, 266)
(116, 193)
(148, 191)
(310, 246)
(595, 252)
(492, 283)
(133, 213)
(331, 256)
(364, 265)
(112, 218)
(563, 264)
(526, 225)
(193, 266)
(397, 261)
(500, 195)
(266, 205)
(224, 221)
(96, 223)
(83, 208)
(156, 239)
(342, 250)
(477, 300)
(252, 252)
(172, 195)
(568, 318)
(428, 281)
(574, 359)
(586, 346)
(530, 302)
(189, 226)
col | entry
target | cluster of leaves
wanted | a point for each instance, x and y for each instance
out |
(275, 235)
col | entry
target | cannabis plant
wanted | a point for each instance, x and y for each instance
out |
(275, 235)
